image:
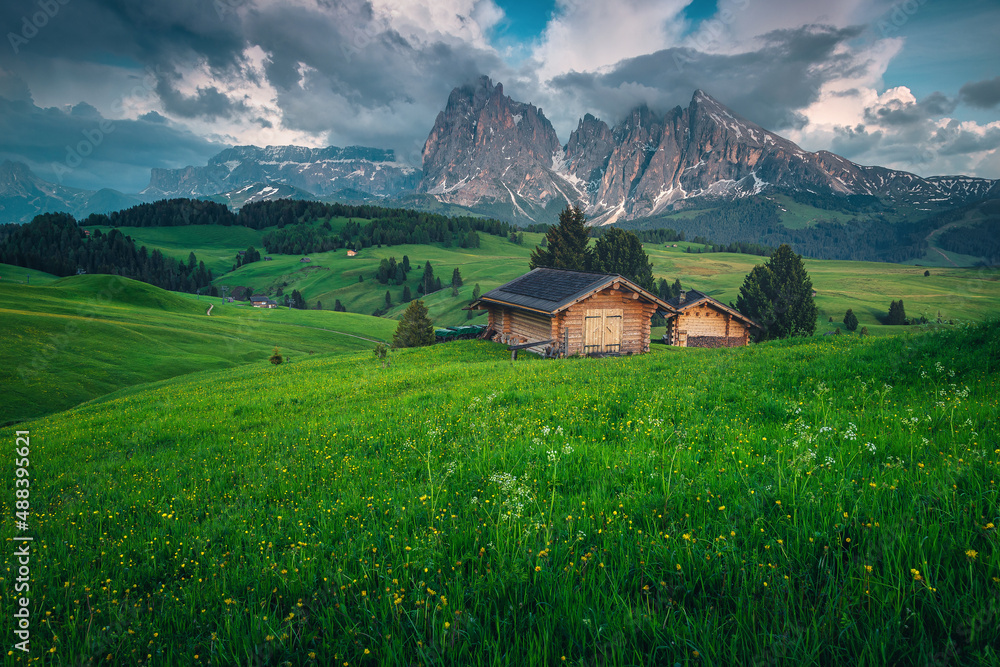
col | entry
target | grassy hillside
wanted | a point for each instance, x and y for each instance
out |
(810, 502)
(20, 276)
(334, 275)
(82, 337)
(865, 287)
(213, 244)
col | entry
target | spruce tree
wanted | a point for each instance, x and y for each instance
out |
(428, 278)
(897, 314)
(415, 328)
(566, 246)
(456, 278)
(777, 295)
(476, 292)
(619, 251)
(850, 320)
(407, 296)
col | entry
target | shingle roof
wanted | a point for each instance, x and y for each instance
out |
(693, 297)
(549, 290)
(690, 296)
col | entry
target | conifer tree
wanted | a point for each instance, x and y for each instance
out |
(415, 328)
(897, 314)
(566, 246)
(428, 278)
(456, 278)
(850, 320)
(777, 295)
(619, 251)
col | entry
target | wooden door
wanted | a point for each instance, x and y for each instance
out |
(592, 335)
(602, 330)
(613, 331)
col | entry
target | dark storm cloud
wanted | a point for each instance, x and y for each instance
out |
(116, 152)
(983, 94)
(145, 32)
(786, 73)
(853, 141)
(338, 71)
(898, 113)
(346, 73)
(954, 140)
(207, 103)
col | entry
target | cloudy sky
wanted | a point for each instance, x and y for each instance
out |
(94, 93)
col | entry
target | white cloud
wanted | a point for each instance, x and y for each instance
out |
(465, 21)
(587, 35)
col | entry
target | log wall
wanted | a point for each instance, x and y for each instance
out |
(636, 314)
(705, 326)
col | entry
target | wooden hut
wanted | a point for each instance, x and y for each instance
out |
(571, 312)
(698, 320)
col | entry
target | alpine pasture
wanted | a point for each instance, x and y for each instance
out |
(817, 501)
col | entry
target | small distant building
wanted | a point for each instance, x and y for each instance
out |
(86, 232)
(261, 301)
(698, 320)
(305, 259)
(352, 253)
(571, 312)
(266, 258)
(241, 253)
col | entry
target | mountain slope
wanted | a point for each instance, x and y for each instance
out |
(23, 195)
(318, 170)
(488, 150)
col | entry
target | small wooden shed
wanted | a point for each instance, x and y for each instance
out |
(698, 320)
(571, 312)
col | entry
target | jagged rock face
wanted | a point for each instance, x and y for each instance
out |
(486, 146)
(321, 171)
(645, 163)
(588, 150)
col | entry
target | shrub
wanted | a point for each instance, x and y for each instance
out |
(276, 357)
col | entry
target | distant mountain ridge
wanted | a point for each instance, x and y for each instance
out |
(487, 150)
(320, 171)
(501, 157)
(23, 195)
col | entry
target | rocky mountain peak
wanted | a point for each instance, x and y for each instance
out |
(488, 150)
(487, 147)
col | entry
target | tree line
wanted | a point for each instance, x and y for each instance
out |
(297, 234)
(54, 243)
(755, 223)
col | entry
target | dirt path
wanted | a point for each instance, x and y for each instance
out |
(938, 231)
(210, 307)
(945, 256)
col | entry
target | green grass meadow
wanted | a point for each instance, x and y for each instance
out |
(78, 338)
(824, 501)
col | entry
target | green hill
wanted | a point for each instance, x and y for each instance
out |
(810, 502)
(82, 337)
